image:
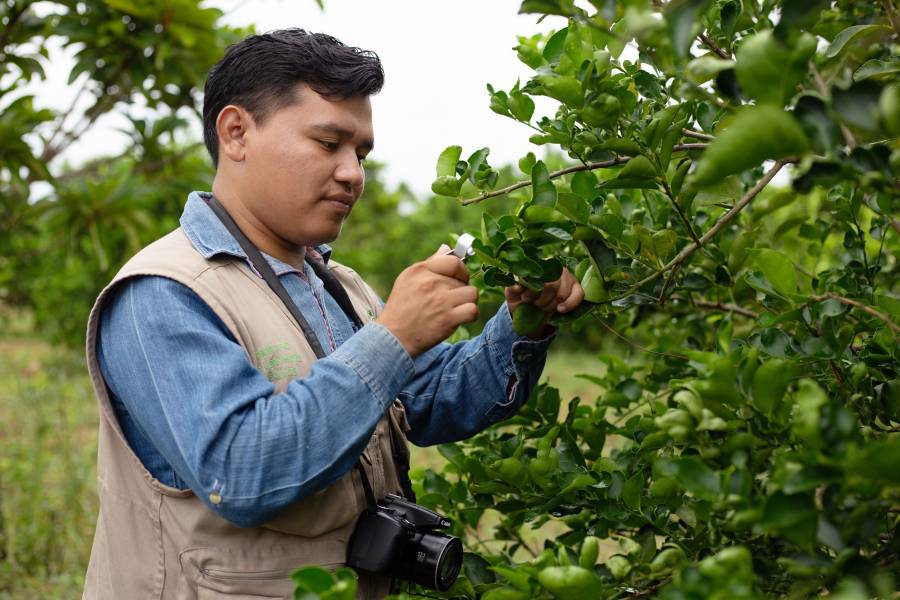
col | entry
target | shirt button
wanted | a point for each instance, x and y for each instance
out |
(215, 498)
(521, 356)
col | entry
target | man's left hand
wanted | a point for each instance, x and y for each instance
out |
(562, 295)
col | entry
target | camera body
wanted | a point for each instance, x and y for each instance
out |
(399, 538)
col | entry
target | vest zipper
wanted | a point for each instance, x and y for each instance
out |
(251, 576)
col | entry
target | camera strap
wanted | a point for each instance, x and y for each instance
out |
(337, 291)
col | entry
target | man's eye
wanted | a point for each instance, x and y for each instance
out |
(330, 146)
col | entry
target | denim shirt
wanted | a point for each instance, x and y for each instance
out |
(199, 414)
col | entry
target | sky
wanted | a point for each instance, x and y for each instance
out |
(437, 56)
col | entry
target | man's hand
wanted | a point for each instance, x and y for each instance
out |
(430, 299)
(562, 295)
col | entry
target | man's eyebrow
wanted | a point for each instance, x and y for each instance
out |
(336, 129)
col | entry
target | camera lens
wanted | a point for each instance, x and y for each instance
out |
(449, 564)
(432, 560)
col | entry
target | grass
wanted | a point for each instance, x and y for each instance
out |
(48, 424)
(48, 428)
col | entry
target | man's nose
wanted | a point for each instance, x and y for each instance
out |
(350, 171)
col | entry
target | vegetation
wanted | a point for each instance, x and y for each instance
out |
(729, 201)
(746, 444)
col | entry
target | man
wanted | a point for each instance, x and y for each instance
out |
(226, 449)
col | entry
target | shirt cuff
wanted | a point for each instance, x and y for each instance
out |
(380, 361)
(522, 358)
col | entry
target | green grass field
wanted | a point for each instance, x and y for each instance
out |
(48, 504)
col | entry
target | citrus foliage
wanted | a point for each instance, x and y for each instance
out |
(747, 446)
(63, 238)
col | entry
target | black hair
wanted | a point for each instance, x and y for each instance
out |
(261, 74)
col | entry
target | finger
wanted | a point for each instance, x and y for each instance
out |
(444, 249)
(513, 293)
(449, 266)
(466, 294)
(576, 297)
(547, 298)
(464, 313)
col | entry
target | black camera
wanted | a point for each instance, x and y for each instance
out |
(399, 538)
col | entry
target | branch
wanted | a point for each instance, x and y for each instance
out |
(715, 229)
(697, 134)
(732, 308)
(619, 160)
(895, 329)
(714, 46)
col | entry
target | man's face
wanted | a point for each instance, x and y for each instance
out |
(303, 170)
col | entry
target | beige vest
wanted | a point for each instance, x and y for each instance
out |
(155, 541)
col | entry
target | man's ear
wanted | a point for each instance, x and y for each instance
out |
(232, 126)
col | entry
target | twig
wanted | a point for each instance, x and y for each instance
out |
(715, 229)
(714, 46)
(892, 14)
(636, 345)
(697, 134)
(732, 308)
(619, 160)
(895, 329)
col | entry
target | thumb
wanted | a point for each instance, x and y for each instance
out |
(444, 249)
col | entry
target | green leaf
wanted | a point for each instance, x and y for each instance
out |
(584, 183)
(822, 131)
(564, 88)
(527, 162)
(313, 579)
(875, 67)
(446, 185)
(683, 20)
(573, 206)
(806, 413)
(639, 168)
(767, 70)
(694, 476)
(756, 134)
(701, 70)
(849, 34)
(446, 163)
(770, 382)
(794, 517)
(877, 461)
(778, 269)
(521, 106)
(542, 188)
(857, 105)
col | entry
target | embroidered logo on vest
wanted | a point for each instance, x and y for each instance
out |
(278, 362)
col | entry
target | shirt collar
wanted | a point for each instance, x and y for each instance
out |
(210, 237)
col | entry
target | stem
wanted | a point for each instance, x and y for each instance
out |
(697, 134)
(619, 160)
(895, 329)
(680, 212)
(732, 308)
(715, 229)
(892, 14)
(713, 46)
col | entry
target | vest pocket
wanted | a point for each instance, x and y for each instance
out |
(214, 574)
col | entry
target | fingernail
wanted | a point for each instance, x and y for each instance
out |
(562, 308)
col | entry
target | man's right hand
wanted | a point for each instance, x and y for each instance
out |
(430, 299)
